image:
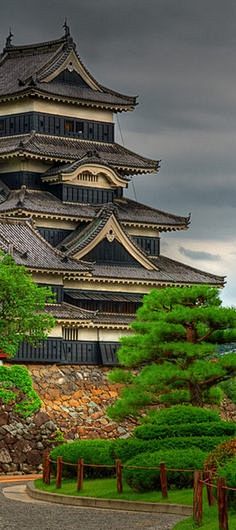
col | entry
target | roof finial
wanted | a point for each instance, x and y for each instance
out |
(9, 39)
(66, 28)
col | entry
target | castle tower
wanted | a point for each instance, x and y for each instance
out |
(63, 210)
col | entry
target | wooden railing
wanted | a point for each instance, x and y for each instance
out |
(217, 484)
(200, 479)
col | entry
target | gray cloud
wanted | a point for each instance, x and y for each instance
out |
(198, 254)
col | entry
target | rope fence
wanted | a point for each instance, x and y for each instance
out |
(215, 486)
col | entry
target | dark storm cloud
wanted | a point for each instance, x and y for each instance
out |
(179, 56)
(198, 254)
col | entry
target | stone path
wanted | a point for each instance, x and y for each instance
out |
(19, 511)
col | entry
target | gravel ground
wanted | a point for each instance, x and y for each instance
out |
(30, 515)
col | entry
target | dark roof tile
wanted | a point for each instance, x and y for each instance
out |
(68, 149)
(169, 271)
(128, 211)
(24, 68)
(29, 248)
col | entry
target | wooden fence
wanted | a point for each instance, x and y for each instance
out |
(200, 480)
(213, 484)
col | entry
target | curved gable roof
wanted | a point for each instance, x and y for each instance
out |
(37, 67)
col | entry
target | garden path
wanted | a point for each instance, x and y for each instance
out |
(35, 515)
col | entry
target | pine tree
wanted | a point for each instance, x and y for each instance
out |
(173, 354)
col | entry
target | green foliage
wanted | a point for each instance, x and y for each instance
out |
(228, 472)
(150, 432)
(181, 414)
(221, 455)
(174, 350)
(147, 480)
(22, 302)
(92, 451)
(229, 389)
(126, 449)
(16, 387)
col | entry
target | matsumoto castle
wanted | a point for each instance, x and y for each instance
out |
(63, 209)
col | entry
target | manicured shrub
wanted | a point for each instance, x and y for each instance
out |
(228, 472)
(221, 455)
(220, 428)
(147, 480)
(182, 414)
(16, 387)
(92, 451)
(126, 449)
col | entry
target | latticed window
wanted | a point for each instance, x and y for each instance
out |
(70, 333)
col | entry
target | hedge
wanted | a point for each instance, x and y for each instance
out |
(126, 449)
(182, 414)
(149, 432)
(148, 480)
(92, 451)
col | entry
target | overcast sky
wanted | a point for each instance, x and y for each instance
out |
(179, 56)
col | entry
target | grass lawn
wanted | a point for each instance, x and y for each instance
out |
(106, 489)
(210, 521)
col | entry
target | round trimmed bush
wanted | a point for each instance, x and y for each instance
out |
(182, 414)
(92, 451)
(148, 480)
(220, 428)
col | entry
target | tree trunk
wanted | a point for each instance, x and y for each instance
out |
(191, 334)
(196, 397)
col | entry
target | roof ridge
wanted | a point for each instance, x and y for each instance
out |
(12, 49)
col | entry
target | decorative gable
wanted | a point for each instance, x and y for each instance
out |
(71, 64)
(106, 227)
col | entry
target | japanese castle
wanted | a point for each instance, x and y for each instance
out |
(63, 209)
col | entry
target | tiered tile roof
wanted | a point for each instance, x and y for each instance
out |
(33, 70)
(128, 211)
(55, 148)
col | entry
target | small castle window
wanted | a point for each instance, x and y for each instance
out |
(69, 126)
(79, 127)
(70, 333)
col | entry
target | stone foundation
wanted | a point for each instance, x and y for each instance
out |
(23, 441)
(76, 398)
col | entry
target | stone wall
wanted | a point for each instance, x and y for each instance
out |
(76, 397)
(23, 441)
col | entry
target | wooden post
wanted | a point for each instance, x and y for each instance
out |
(119, 476)
(222, 504)
(59, 472)
(210, 495)
(45, 456)
(163, 480)
(46, 468)
(197, 498)
(80, 474)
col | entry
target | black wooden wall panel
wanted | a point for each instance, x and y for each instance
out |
(57, 350)
(114, 252)
(151, 245)
(81, 194)
(56, 125)
(15, 179)
(52, 235)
